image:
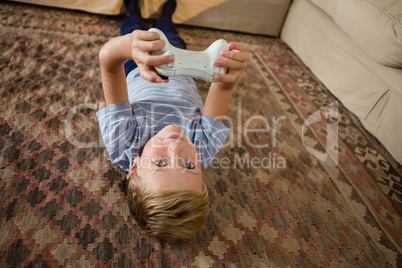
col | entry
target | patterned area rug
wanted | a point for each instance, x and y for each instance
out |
(276, 198)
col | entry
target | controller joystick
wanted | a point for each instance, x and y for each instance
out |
(196, 64)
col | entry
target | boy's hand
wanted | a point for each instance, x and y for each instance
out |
(143, 42)
(219, 94)
(235, 59)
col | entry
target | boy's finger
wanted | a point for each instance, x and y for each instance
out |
(237, 46)
(150, 60)
(149, 74)
(228, 63)
(148, 46)
(226, 78)
(159, 60)
(234, 55)
(146, 35)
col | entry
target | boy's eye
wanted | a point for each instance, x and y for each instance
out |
(189, 166)
(160, 163)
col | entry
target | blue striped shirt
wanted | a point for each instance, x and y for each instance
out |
(126, 127)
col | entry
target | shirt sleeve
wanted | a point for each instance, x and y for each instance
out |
(209, 138)
(119, 130)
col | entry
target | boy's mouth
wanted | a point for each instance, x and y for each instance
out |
(174, 137)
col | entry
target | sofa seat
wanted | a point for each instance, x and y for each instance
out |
(368, 88)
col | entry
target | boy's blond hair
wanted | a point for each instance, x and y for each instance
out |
(165, 213)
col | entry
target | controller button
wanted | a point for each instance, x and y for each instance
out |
(217, 70)
(169, 65)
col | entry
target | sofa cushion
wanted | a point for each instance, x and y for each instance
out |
(375, 25)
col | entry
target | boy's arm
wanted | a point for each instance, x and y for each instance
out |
(219, 95)
(118, 50)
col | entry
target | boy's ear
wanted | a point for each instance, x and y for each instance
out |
(135, 161)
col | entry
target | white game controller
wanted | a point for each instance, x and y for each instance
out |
(196, 64)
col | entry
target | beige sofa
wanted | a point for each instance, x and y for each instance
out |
(353, 46)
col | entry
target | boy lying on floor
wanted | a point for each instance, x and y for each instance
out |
(158, 130)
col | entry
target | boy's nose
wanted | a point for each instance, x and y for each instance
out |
(175, 152)
(175, 148)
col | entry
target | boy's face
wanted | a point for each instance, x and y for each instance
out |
(170, 160)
